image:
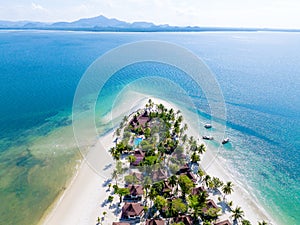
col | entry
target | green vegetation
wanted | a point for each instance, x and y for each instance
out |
(185, 184)
(262, 223)
(237, 214)
(227, 188)
(246, 222)
(170, 187)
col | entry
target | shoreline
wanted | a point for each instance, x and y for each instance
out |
(80, 201)
(86, 186)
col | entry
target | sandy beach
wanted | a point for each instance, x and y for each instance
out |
(81, 202)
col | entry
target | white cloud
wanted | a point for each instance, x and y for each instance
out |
(37, 6)
(235, 13)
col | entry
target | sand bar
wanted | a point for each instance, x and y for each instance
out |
(81, 202)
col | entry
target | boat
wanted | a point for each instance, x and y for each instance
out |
(226, 140)
(208, 137)
(208, 125)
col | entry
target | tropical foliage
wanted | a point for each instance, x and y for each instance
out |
(164, 147)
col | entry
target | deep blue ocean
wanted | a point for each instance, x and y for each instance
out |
(258, 72)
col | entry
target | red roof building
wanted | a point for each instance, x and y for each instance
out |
(136, 190)
(132, 211)
(198, 190)
(139, 155)
(155, 222)
(159, 175)
(186, 219)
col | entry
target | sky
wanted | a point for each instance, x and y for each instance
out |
(217, 13)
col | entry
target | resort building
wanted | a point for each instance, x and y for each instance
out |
(159, 175)
(136, 193)
(132, 211)
(155, 222)
(139, 155)
(198, 190)
(185, 219)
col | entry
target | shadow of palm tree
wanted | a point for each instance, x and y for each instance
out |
(224, 207)
(105, 183)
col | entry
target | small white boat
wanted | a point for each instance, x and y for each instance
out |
(226, 140)
(208, 125)
(208, 137)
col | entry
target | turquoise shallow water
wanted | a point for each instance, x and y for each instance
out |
(39, 71)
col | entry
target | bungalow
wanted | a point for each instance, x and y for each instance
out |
(210, 204)
(139, 155)
(140, 121)
(159, 175)
(198, 190)
(191, 176)
(183, 169)
(155, 222)
(187, 171)
(132, 211)
(225, 222)
(135, 193)
(185, 219)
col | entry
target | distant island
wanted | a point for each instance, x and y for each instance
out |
(104, 24)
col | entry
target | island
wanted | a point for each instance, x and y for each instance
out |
(158, 178)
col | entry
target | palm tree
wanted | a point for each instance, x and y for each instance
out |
(173, 181)
(161, 107)
(125, 119)
(98, 220)
(193, 203)
(118, 132)
(246, 222)
(193, 145)
(104, 214)
(195, 158)
(152, 194)
(185, 127)
(147, 184)
(217, 183)
(201, 149)
(180, 118)
(207, 179)
(122, 192)
(191, 140)
(186, 184)
(227, 188)
(115, 176)
(201, 174)
(237, 213)
(131, 159)
(262, 223)
(160, 202)
(184, 138)
(115, 153)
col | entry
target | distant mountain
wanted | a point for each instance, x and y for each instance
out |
(94, 22)
(99, 21)
(102, 23)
